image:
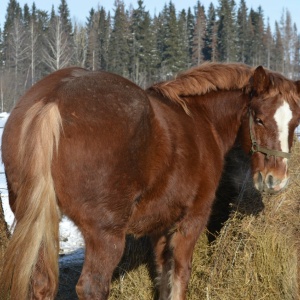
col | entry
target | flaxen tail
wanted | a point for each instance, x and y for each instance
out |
(30, 268)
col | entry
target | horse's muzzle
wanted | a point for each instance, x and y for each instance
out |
(269, 183)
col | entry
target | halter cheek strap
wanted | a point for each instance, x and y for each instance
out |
(255, 147)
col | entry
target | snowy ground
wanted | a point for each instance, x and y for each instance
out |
(70, 237)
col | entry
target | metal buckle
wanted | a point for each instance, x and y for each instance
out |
(254, 148)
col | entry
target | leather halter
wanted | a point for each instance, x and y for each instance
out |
(255, 147)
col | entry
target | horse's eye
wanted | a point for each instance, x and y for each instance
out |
(259, 121)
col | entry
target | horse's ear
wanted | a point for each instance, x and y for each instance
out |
(260, 80)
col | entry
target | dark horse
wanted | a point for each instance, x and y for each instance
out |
(119, 160)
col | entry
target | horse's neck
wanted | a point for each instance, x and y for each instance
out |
(220, 111)
(224, 111)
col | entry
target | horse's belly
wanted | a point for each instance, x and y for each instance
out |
(158, 214)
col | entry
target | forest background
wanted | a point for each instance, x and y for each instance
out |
(137, 45)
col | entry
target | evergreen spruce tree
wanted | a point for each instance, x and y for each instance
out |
(138, 37)
(104, 36)
(269, 46)
(15, 50)
(256, 18)
(210, 38)
(41, 20)
(199, 35)
(156, 45)
(227, 31)
(249, 40)
(98, 30)
(89, 19)
(144, 58)
(26, 15)
(119, 42)
(159, 23)
(67, 28)
(151, 52)
(172, 54)
(278, 50)
(184, 42)
(242, 32)
(52, 14)
(64, 14)
(13, 11)
(297, 54)
(190, 32)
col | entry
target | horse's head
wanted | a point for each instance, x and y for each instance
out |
(268, 128)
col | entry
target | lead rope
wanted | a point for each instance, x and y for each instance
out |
(255, 147)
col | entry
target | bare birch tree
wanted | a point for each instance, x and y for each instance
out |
(80, 45)
(33, 47)
(57, 52)
(18, 53)
(93, 53)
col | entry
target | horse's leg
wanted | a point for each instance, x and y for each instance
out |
(180, 271)
(174, 252)
(162, 261)
(183, 243)
(173, 262)
(103, 251)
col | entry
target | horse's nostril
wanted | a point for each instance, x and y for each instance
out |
(259, 181)
(260, 178)
(270, 180)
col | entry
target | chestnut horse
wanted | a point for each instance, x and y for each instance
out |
(119, 160)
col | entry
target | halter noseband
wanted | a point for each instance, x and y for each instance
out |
(255, 147)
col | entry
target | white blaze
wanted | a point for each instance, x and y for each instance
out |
(282, 117)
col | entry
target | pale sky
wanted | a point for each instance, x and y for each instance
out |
(79, 10)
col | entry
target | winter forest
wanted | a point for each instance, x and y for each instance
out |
(144, 48)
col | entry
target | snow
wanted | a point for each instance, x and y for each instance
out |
(70, 237)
